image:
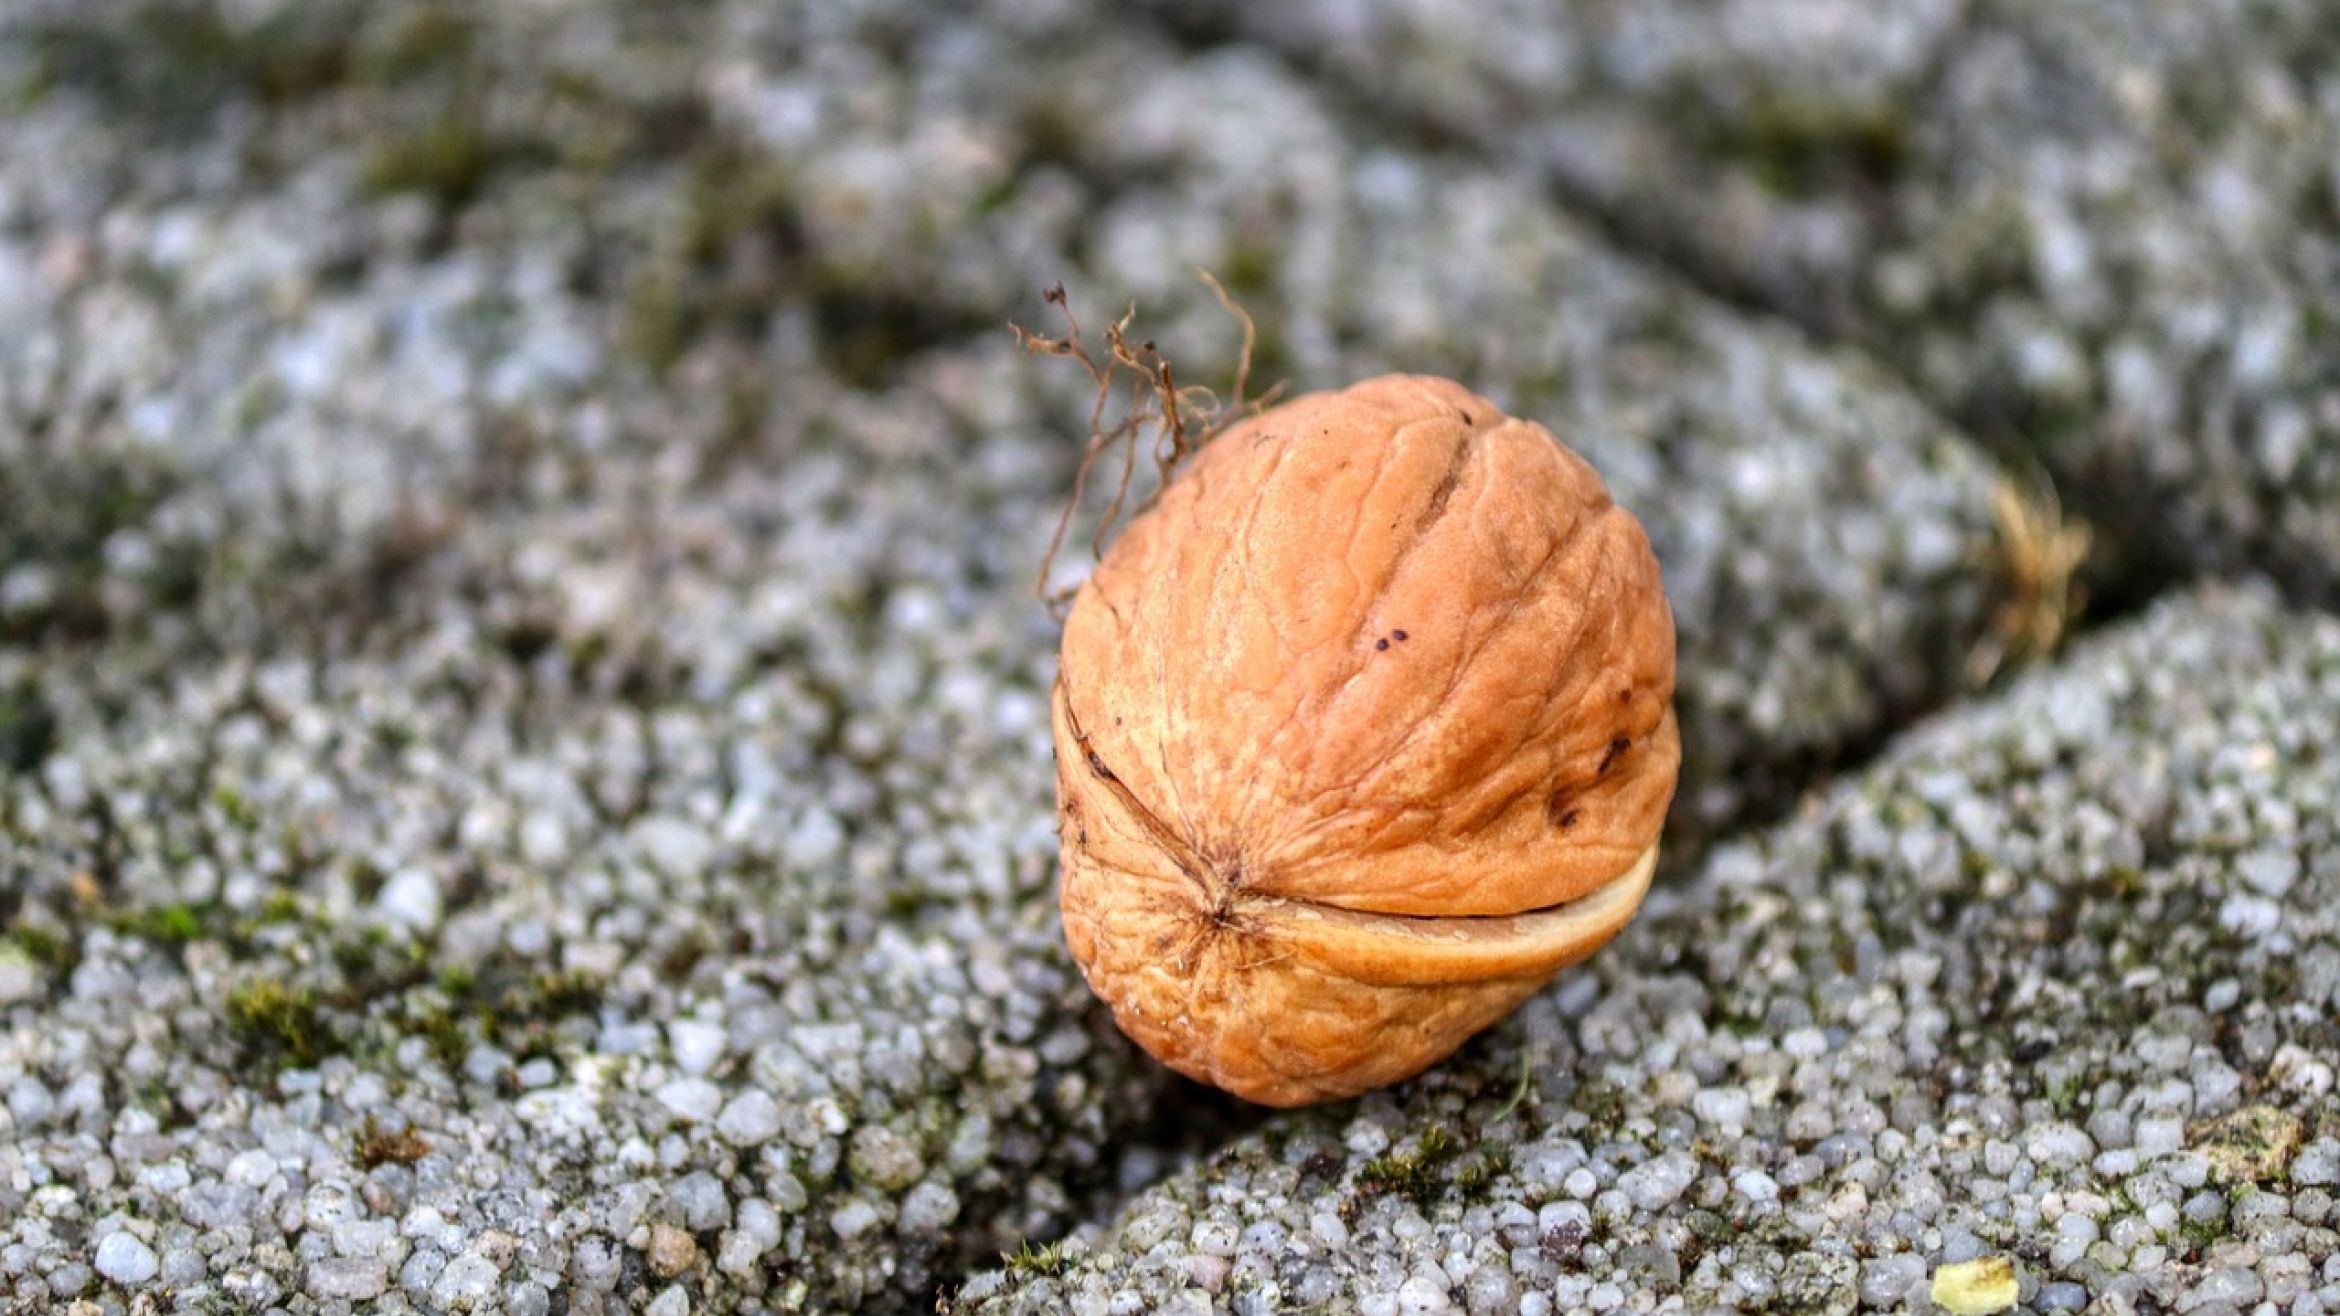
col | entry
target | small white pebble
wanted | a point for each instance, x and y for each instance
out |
(125, 1260)
(697, 1045)
(693, 1099)
(1422, 1295)
(1655, 1183)
(1727, 1108)
(853, 1219)
(411, 900)
(2159, 1135)
(750, 1119)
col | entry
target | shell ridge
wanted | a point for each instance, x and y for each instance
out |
(1311, 704)
(1182, 849)
(1350, 792)
(1516, 606)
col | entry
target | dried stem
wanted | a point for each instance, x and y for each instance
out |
(2040, 554)
(1180, 419)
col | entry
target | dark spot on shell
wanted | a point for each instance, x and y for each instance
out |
(1560, 810)
(1466, 416)
(1400, 636)
(1609, 756)
(1381, 644)
(1624, 696)
(1097, 766)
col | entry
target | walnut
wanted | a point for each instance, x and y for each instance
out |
(1364, 730)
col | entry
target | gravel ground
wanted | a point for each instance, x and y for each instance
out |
(524, 774)
(2105, 235)
(2050, 981)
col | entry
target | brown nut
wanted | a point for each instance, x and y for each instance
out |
(1364, 730)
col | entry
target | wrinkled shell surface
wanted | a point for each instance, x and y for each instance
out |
(1363, 730)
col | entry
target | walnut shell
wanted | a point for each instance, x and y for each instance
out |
(1364, 730)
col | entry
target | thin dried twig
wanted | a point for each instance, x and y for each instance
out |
(1180, 419)
(1526, 1072)
(2040, 554)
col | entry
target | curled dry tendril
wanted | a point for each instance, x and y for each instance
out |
(2040, 553)
(1178, 419)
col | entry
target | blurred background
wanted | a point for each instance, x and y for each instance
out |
(520, 691)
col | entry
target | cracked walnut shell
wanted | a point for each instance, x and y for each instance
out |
(1364, 730)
